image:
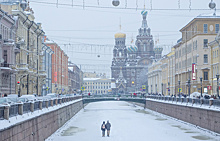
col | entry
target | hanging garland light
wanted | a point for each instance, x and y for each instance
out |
(115, 2)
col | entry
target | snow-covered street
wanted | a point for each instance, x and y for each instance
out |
(129, 123)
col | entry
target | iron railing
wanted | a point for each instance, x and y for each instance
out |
(13, 110)
(2, 112)
(216, 102)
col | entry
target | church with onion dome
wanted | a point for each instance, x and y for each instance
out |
(130, 63)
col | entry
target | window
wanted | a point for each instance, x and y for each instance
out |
(216, 28)
(205, 28)
(205, 43)
(5, 56)
(206, 58)
(144, 47)
(205, 75)
(196, 45)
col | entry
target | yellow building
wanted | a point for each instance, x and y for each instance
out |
(97, 85)
(193, 48)
(154, 77)
(215, 58)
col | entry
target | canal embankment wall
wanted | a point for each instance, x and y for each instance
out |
(202, 117)
(41, 127)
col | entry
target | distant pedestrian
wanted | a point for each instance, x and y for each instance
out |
(103, 128)
(5, 95)
(108, 126)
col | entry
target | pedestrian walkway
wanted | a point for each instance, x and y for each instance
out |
(129, 123)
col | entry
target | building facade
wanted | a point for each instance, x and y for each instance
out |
(192, 64)
(75, 78)
(97, 85)
(59, 68)
(28, 40)
(215, 58)
(47, 67)
(8, 49)
(194, 49)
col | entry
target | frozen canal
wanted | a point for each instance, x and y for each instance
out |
(129, 123)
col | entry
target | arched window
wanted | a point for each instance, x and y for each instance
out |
(145, 47)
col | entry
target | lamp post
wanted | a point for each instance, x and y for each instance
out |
(189, 86)
(151, 89)
(162, 88)
(168, 88)
(201, 85)
(156, 88)
(217, 76)
(147, 89)
(179, 87)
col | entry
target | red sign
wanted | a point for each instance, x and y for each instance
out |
(209, 87)
(193, 71)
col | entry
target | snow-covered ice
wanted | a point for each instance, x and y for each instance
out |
(129, 123)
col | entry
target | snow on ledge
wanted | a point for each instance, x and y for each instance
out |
(27, 116)
(195, 105)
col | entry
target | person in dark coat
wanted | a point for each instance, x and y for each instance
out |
(108, 126)
(103, 127)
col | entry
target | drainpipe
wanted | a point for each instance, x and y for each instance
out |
(28, 38)
(1, 46)
(38, 56)
(219, 47)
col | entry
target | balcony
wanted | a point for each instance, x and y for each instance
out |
(42, 74)
(5, 65)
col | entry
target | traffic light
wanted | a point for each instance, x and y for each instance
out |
(18, 82)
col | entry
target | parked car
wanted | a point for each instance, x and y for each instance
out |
(6, 100)
(27, 98)
(13, 95)
(52, 96)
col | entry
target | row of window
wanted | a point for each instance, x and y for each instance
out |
(119, 42)
(90, 83)
(188, 49)
(215, 70)
(96, 87)
(189, 62)
(205, 28)
(215, 53)
(97, 92)
(5, 31)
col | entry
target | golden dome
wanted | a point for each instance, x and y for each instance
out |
(120, 35)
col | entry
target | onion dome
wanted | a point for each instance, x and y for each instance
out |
(144, 12)
(120, 35)
(132, 49)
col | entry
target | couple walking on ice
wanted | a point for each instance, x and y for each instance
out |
(104, 127)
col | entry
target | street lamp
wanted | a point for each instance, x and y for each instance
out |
(156, 87)
(168, 88)
(179, 87)
(115, 2)
(201, 84)
(147, 89)
(189, 86)
(217, 76)
(151, 89)
(162, 88)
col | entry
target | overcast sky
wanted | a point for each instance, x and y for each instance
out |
(76, 24)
